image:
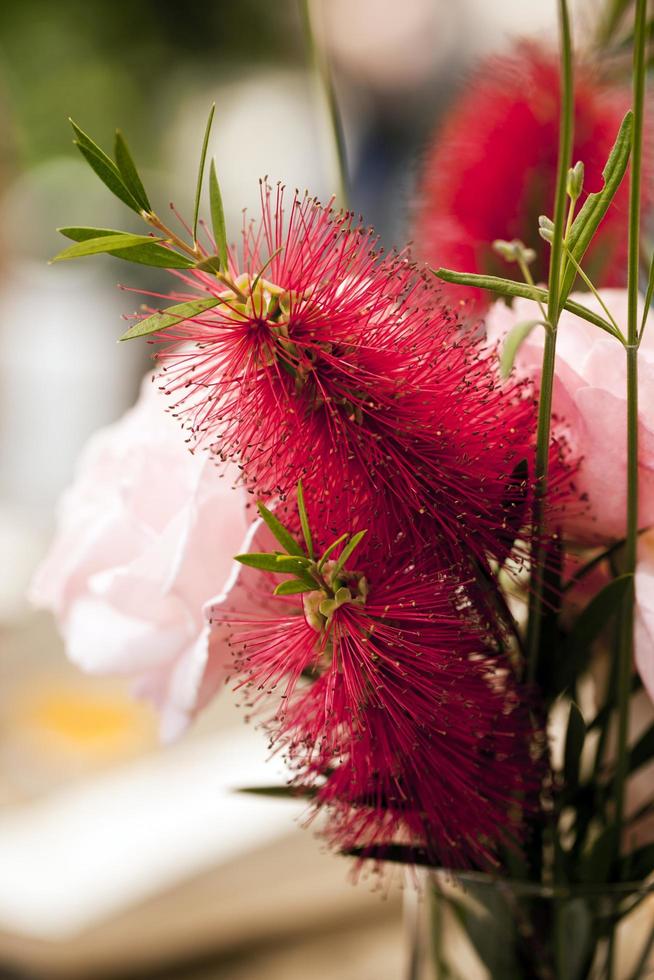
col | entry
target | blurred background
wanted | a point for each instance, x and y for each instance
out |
(120, 858)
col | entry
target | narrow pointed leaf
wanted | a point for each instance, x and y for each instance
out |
(152, 254)
(169, 317)
(395, 853)
(260, 560)
(512, 343)
(511, 288)
(595, 864)
(129, 173)
(574, 744)
(282, 535)
(266, 265)
(293, 587)
(648, 297)
(304, 520)
(212, 263)
(328, 551)
(597, 204)
(292, 561)
(104, 243)
(217, 217)
(280, 792)
(638, 865)
(203, 157)
(574, 653)
(598, 612)
(643, 750)
(347, 551)
(104, 167)
(291, 565)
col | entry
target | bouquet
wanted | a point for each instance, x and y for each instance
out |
(436, 482)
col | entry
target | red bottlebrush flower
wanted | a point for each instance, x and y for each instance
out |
(342, 367)
(492, 169)
(391, 704)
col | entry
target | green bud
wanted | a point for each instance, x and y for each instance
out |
(575, 181)
(505, 249)
(514, 251)
(546, 228)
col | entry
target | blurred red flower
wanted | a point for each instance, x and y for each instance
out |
(491, 170)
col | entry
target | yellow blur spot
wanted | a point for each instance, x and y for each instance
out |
(84, 722)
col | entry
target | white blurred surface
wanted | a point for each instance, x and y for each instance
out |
(83, 854)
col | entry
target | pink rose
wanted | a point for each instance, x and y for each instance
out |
(590, 402)
(146, 535)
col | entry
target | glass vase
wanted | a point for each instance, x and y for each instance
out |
(478, 927)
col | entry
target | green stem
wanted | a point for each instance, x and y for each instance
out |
(625, 659)
(566, 125)
(322, 67)
(625, 653)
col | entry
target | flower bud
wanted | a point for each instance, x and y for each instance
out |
(546, 228)
(514, 251)
(575, 180)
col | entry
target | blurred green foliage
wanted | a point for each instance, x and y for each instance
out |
(111, 60)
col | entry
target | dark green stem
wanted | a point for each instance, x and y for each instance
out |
(566, 126)
(625, 653)
(321, 64)
(625, 659)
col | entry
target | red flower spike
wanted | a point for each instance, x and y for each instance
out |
(341, 367)
(492, 169)
(411, 728)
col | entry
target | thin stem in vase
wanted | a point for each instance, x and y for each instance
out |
(566, 126)
(625, 651)
(625, 661)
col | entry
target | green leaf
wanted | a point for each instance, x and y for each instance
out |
(212, 263)
(595, 864)
(105, 168)
(152, 254)
(280, 792)
(282, 535)
(328, 551)
(276, 563)
(203, 157)
(511, 288)
(129, 173)
(104, 243)
(217, 217)
(304, 520)
(292, 561)
(643, 750)
(597, 204)
(294, 586)
(638, 865)
(648, 297)
(589, 624)
(261, 560)
(170, 316)
(354, 541)
(574, 744)
(512, 343)
(395, 853)
(266, 264)
(291, 565)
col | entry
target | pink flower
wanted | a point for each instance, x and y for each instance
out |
(590, 405)
(387, 699)
(145, 535)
